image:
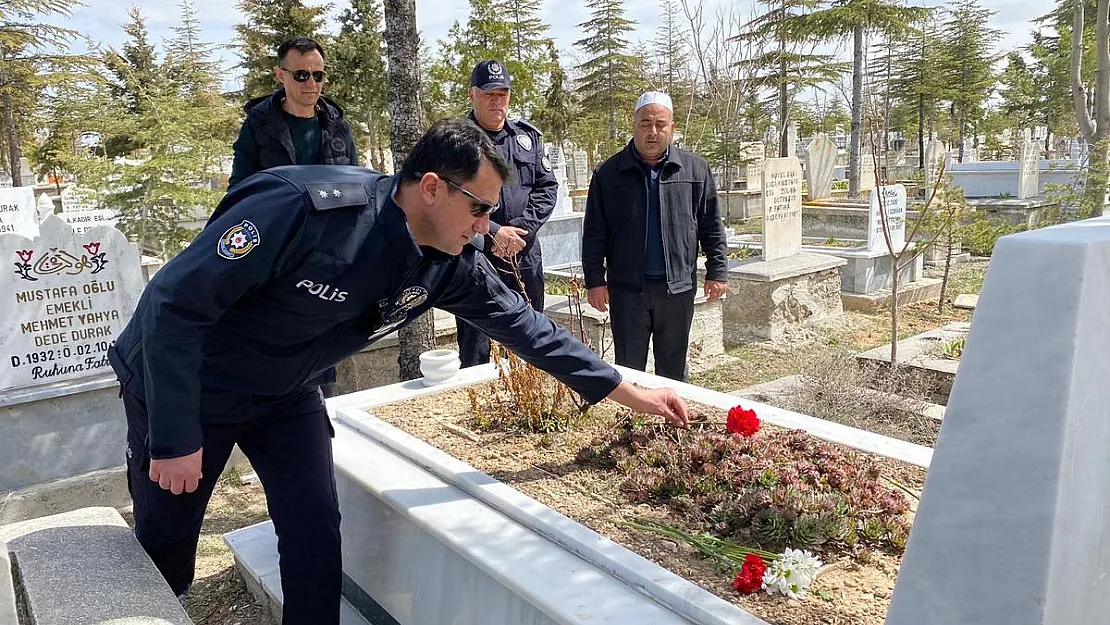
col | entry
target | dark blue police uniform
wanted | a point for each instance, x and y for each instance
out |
(304, 266)
(527, 201)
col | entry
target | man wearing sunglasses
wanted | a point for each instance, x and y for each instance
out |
(304, 266)
(527, 199)
(295, 125)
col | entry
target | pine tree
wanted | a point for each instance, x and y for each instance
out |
(178, 128)
(508, 30)
(671, 52)
(357, 79)
(788, 65)
(916, 85)
(968, 67)
(862, 17)
(32, 53)
(269, 23)
(609, 84)
(556, 112)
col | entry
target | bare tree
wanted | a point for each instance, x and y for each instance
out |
(1096, 131)
(402, 43)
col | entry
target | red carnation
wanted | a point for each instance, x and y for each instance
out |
(750, 577)
(741, 421)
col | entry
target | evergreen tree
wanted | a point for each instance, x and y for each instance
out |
(32, 55)
(968, 65)
(788, 64)
(610, 81)
(507, 30)
(558, 108)
(916, 85)
(269, 23)
(357, 77)
(862, 17)
(671, 52)
(178, 128)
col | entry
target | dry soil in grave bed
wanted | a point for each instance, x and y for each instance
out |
(857, 589)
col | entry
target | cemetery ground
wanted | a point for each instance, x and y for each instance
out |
(219, 594)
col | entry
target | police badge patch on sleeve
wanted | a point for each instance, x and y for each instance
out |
(238, 241)
(525, 142)
(546, 163)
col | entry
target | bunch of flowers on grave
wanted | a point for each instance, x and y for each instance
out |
(790, 573)
(770, 487)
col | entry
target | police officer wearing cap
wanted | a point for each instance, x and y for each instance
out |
(305, 265)
(527, 199)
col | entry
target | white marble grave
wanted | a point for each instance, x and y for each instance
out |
(18, 211)
(581, 169)
(782, 208)
(1029, 179)
(755, 156)
(66, 301)
(820, 163)
(934, 154)
(558, 163)
(894, 206)
(1012, 526)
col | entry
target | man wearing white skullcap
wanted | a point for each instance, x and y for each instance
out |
(649, 208)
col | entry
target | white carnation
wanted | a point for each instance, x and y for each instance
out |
(791, 574)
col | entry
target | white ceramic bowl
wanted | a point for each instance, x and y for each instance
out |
(439, 365)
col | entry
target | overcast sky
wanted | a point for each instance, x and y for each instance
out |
(101, 20)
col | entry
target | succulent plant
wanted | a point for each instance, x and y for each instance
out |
(807, 532)
(770, 527)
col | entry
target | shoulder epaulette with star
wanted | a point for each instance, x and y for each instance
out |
(326, 196)
(528, 125)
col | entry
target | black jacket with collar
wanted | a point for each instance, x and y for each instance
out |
(266, 142)
(615, 229)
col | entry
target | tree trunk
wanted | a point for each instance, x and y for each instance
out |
(857, 111)
(893, 309)
(12, 135)
(784, 103)
(921, 132)
(948, 248)
(402, 43)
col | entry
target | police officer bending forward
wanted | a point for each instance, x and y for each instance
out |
(304, 266)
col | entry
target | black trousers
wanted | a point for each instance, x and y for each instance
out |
(654, 315)
(288, 441)
(473, 343)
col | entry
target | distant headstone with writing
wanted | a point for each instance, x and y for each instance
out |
(18, 211)
(1029, 174)
(5, 180)
(894, 206)
(782, 207)
(934, 152)
(27, 177)
(558, 164)
(791, 139)
(79, 199)
(820, 163)
(754, 153)
(867, 171)
(67, 300)
(581, 169)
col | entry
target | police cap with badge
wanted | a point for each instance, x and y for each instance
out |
(490, 75)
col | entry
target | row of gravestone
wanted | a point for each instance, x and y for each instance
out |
(782, 211)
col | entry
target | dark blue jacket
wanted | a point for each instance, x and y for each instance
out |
(528, 196)
(265, 140)
(305, 266)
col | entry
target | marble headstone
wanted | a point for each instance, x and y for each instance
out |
(934, 153)
(754, 154)
(79, 199)
(894, 206)
(18, 211)
(44, 207)
(1029, 174)
(26, 175)
(1012, 525)
(782, 207)
(67, 300)
(581, 169)
(867, 171)
(558, 164)
(5, 180)
(791, 139)
(820, 163)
